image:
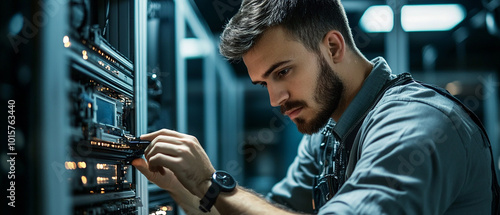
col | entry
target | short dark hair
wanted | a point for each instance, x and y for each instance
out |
(308, 21)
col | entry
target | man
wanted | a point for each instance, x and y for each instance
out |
(374, 143)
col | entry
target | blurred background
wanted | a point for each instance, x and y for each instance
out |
(81, 77)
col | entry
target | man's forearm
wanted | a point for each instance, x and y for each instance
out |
(242, 201)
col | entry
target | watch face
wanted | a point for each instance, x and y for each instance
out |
(224, 180)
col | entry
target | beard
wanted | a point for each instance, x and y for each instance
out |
(327, 95)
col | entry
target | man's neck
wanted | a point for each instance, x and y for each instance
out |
(356, 70)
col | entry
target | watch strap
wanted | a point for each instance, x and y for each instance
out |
(208, 200)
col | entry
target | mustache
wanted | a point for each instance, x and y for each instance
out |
(291, 105)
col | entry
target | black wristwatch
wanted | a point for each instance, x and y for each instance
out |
(221, 182)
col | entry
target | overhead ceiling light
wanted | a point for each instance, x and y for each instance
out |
(378, 18)
(432, 17)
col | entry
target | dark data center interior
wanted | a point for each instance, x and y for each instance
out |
(82, 80)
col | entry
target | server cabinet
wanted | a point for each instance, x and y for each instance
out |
(77, 85)
(105, 48)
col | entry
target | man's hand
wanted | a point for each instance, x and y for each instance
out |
(162, 177)
(182, 155)
(177, 162)
(166, 179)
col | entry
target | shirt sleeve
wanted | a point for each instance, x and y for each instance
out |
(412, 160)
(295, 190)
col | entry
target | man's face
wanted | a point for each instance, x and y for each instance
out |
(301, 82)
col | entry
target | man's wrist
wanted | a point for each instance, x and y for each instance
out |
(203, 188)
(221, 182)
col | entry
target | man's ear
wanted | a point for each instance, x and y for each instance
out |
(334, 41)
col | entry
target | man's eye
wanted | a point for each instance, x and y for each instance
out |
(283, 72)
(263, 84)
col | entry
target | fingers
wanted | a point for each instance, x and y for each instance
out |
(179, 154)
(158, 162)
(171, 137)
(143, 167)
(166, 132)
(167, 149)
(163, 179)
(139, 163)
(162, 141)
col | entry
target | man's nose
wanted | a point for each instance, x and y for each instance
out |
(277, 95)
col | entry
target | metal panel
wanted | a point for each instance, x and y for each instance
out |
(140, 29)
(180, 77)
(210, 91)
(53, 112)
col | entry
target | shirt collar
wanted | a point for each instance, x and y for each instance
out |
(380, 74)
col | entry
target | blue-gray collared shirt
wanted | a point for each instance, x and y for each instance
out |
(417, 152)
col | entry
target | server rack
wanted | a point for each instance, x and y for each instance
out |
(105, 49)
(77, 72)
(82, 98)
